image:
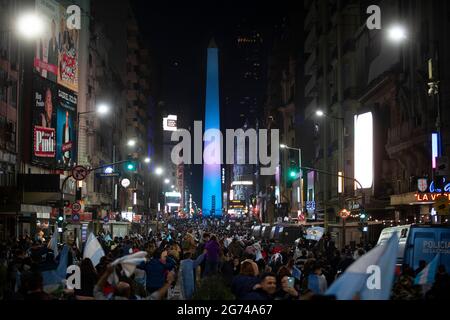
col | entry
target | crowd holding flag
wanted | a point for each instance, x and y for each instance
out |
(371, 277)
(93, 250)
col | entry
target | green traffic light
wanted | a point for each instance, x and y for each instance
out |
(292, 174)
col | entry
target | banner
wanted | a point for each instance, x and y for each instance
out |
(66, 114)
(54, 112)
(44, 122)
(56, 56)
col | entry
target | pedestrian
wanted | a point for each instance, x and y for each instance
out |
(265, 290)
(122, 291)
(88, 280)
(156, 270)
(317, 282)
(212, 256)
(243, 283)
(187, 273)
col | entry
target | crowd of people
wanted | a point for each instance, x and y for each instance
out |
(197, 260)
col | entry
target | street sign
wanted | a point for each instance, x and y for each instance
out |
(75, 217)
(106, 219)
(66, 203)
(108, 175)
(67, 211)
(76, 207)
(79, 173)
(344, 213)
(125, 183)
(442, 206)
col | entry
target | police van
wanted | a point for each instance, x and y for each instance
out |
(420, 242)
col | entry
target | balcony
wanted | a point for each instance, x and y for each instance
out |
(311, 65)
(311, 17)
(310, 86)
(311, 40)
(404, 137)
(311, 108)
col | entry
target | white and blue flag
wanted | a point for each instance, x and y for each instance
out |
(314, 233)
(52, 279)
(428, 275)
(93, 250)
(53, 244)
(370, 277)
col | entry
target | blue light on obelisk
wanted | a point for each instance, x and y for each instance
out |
(212, 183)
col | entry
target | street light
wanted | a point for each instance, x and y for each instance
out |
(172, 186)
(30, 25)
(159, 171)
(321, 113)
(166, 181)
(131, 143)
(147, 160)
(103, 109)
(397, 33)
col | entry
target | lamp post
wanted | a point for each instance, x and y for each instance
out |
(285, 147)
(341, 162)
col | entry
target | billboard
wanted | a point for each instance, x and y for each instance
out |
(53, 124)
(66, 114)
(170, 123)
(364, 150)
(56, 54)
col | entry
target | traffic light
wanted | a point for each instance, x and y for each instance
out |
(131, 165)
(292, 175)
(60, 220)
(363, 222)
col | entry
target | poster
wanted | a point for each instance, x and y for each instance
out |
(66, 114)
(44, 122)
(56, 55)
(54, 113)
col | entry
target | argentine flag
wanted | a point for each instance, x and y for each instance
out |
(370, 277)
(52, 279)
(427, 275)
(93, 250)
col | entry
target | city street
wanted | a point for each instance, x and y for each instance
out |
(224, 152)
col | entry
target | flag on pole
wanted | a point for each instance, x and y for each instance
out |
(427, 275)
(93, 250)
(53, 244)
(370, 277)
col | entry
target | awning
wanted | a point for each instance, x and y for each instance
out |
(31, 208)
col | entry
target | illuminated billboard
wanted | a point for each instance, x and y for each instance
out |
(364, 150)
(170, 123)
(56, 53)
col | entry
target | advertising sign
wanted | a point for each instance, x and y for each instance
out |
(66, 114)
(56, 54)
(53, 124)
(170, 123)
(44, 122)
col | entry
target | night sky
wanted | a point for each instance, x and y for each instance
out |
(178, 34)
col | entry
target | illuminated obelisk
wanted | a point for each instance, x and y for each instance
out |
(212, 183)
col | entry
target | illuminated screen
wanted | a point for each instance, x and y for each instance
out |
(364, 150)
